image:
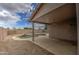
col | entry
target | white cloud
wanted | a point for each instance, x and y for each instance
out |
(8, 11)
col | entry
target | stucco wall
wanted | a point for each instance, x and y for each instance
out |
(65, 30)
(21, 31)
(3, 34)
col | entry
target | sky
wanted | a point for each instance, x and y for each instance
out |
(16, 15)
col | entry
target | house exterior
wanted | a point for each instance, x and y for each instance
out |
(61, 20)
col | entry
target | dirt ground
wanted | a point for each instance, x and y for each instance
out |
(21, 47)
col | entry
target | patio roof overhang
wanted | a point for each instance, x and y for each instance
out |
(49, 13)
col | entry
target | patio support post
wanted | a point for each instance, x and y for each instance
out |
(77, 13)
(33, 31)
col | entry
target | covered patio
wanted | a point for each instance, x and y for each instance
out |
(61, 27)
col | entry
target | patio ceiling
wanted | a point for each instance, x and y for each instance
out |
(49, 13)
